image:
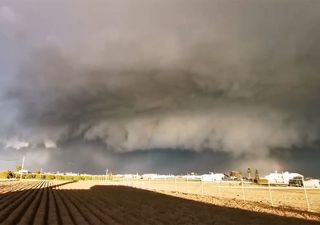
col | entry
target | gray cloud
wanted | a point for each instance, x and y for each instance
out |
(236, 77)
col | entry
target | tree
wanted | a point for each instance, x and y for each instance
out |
(40, 176)
(30, 176)
(50, 177)
(256, 177)
(10, 174)
(6, 175)
(109, 176)
(18, 167)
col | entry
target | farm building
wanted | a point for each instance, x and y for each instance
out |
(212, 177)
(282, 178)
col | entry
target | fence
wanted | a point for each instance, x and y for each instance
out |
(295, 197)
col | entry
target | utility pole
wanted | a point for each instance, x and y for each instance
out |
(23, 158)
(249, 173)
(22, 165)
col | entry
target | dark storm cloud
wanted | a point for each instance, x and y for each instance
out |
(239, 77)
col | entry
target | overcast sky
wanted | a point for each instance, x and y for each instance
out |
(160, 86)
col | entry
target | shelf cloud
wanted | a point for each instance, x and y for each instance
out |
(235, 77)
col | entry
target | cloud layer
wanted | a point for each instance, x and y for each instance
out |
(236, 77)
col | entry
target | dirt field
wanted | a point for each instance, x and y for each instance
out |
(291, 197)
(42, 202)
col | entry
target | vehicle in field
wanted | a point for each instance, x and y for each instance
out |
(296, 182)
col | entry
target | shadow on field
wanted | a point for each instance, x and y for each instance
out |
(117, 205)
(152, 207)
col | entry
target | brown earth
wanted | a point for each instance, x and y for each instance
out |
(288, 197)
(53, 203)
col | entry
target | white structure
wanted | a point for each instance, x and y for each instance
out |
(71, 174)
(164, 177)
(23, 172)
(82, 174)
(212, 177)
(192, 177)
(312, 183)
(282, 178)
(152, 176)
(127, 176)
(149, 176)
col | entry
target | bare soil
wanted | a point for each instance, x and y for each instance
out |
(42, 202)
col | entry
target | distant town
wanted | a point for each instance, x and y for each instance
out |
(233, 177)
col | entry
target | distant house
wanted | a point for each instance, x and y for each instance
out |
(212, 177)
(282, 178)
(23, 172)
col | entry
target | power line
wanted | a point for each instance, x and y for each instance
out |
(9, 160)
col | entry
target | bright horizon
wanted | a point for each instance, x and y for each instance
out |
(160, 86)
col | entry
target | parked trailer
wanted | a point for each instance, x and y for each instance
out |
(312, 183)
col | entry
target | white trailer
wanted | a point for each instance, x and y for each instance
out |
(212, 177)
(312, 183)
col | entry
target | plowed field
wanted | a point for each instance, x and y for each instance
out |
(42, 202)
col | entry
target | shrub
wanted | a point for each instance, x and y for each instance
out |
(76, 178)
(30, 176)
(40, 176)
(87, 177)
(109, 176)
(68, 177)
(60, 177)
(6, 175)
(50, 177)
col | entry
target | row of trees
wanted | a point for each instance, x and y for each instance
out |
(39, 176)
(56, 177)
(9, 174)
(42, 176)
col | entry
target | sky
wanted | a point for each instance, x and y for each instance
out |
(160, 86)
